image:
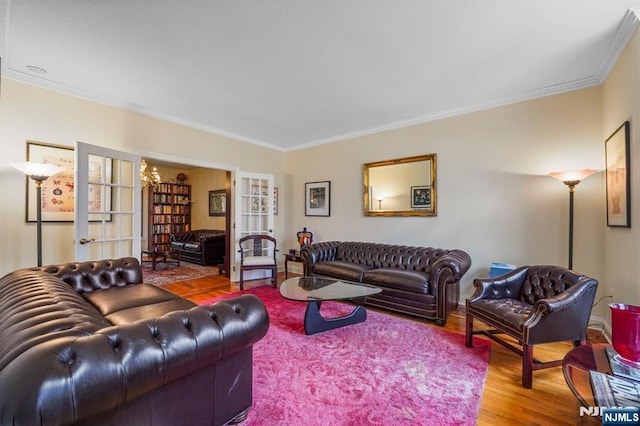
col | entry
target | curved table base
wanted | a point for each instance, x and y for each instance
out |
(316, 323)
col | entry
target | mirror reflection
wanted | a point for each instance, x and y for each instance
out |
(401, 187)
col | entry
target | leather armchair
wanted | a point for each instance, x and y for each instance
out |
(534, 305)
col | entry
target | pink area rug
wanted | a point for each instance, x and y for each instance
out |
(166, 273)
(385, 371)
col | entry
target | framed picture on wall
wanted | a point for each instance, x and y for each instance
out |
(57, 191)
(421, 197)
(618, 177)
(218, 202)
(317, 198)
(275, 201)
(58, 200)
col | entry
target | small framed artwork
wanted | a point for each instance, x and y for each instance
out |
(618, 177)
(275, 200)
(57, 191)
(421, 197)
(317, 198)
(218, 202)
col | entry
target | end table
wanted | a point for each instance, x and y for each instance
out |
(288, 257)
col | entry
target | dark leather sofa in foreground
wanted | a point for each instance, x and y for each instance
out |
(202, 246)
(88, 343)
(421, 281)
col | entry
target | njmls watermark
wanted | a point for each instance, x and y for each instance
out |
(614, 415)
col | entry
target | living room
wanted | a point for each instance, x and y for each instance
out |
(495, 198)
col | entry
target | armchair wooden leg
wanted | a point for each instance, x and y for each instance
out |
(241, 280)
(527, 366)
(274, 276)
(469, 331)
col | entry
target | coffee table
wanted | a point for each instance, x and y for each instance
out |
(315, 290)
(156, 256)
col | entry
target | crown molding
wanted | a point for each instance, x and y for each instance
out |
(625, 31)
(23, 77)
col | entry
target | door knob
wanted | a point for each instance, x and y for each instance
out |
(85, 241)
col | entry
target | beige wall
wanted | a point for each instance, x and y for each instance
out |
(29, 112)
(494, 198)
(621, 102)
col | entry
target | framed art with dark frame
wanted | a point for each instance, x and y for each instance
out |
(618, 179)
(218, 202)
(421, 197)
(317, 198)
(57, 191)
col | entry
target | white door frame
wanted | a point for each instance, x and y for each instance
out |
(170, 158)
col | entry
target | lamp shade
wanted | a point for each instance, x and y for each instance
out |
(572, 177)
(37, 171)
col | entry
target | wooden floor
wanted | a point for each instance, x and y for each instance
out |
(504, 401)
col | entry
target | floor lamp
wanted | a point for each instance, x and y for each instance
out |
(571, 178)
(39, 172)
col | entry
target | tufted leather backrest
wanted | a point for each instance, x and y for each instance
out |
(36, 307)
(379, 255)
(85, 277)
(544, 281)
(197, 235)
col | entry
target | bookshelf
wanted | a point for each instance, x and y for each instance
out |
(169, 212)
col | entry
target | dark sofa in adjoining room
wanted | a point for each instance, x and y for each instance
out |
(421, 281)
(89, 343)
(202, 246)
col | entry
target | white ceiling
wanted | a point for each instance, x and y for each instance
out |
(289, 74)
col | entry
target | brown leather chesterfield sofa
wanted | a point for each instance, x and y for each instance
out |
(202, 246)
(88, 343)
(421, 281)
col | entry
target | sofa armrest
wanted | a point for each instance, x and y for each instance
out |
(457, 261)
(505, 286)
(72, 379)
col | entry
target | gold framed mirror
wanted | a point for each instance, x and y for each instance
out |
(401, 187)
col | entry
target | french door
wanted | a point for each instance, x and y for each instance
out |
(254, 208)
(107, 203)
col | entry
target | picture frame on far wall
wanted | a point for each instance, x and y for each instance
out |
(275, 201)
(618, 180)
(317, 198)
(218, 202)
(57, 191)
(421, 197)
(58, 200)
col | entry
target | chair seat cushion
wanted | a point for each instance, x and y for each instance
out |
(258, 261)
(510, 312)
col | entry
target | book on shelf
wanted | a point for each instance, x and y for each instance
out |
(614, 391)
(620, 368)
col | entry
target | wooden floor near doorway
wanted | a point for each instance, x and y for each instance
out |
(504, 401)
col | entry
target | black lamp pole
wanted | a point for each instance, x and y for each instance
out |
(571, 191)
(39, 216)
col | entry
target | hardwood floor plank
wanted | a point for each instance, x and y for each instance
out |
(504, 400)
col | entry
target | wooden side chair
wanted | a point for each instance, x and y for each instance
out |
(258, 252)
(534, 305)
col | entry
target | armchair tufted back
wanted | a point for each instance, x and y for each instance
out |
(542, 282)
(388, 255)
(85, 277)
